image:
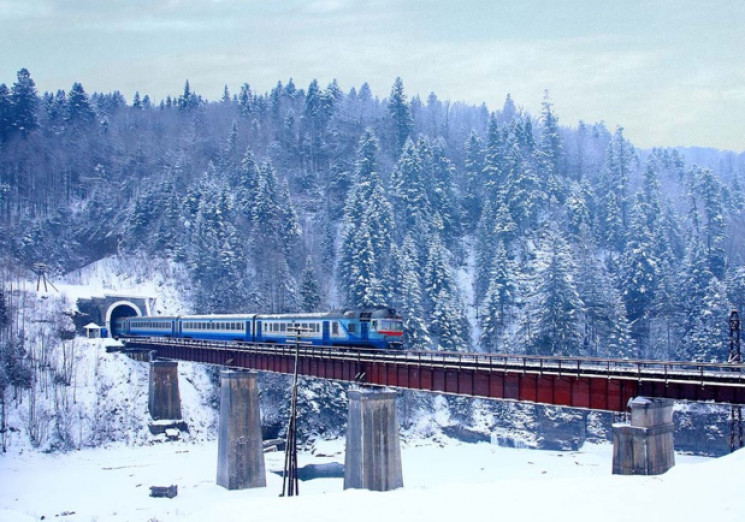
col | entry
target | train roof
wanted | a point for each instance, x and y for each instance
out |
(151, 317)
(218, 317)
(306, 316)
(363, 313)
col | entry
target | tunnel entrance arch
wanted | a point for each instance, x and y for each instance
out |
(119, 310)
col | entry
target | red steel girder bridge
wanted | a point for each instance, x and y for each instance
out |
(577, 382)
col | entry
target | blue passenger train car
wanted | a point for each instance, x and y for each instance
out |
(371, 327)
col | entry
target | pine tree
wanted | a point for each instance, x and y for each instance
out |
(79, 110)
(549, 151)
(367, 233)
(6, 114)
(400, 114)
(445, 308)
(579, 209)
(407, 295)
(245, 99)
(247, 184)
(709, 190)
(697, 279)
(556, 323)
(493, 162)
(522, 191)
(25, 104)
(640, 269)
(310, 293)
(621, 159)
(366, 284)
(189, 100)
(441, 195)
(409, 193)
(707, 339)
(500, 296)
(607, 329)
(472, 200)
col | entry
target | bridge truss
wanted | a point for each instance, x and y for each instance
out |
(600, 384)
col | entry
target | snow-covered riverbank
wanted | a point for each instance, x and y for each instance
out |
(447, 482)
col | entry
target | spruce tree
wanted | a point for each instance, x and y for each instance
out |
(25, 103)
(549, 152)
(310, 292)
(400, 114)
(500, 296)
(407, 295)
(79, 110)
(555, 324)
(6, 114)
(473, 198)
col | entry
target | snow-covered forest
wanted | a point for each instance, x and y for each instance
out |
(492, 230)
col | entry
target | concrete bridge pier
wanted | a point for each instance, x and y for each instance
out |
(645, 447)
(164, 400)
(373, 453)
(240, 448)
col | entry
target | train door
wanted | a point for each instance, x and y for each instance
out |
(175, 328)
(364, 327)
(258, 331)
(326, 332)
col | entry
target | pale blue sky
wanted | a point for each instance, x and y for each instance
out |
(672, 72)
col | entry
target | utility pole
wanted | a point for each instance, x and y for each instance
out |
(735, 357)
(290, 485)
(41, 273)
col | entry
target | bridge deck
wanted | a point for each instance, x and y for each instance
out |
(602, 384)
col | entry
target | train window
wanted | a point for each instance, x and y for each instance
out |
(352, 328)
(374, 325)
(335, 328)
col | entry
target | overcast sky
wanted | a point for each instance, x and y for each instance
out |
(671, 72)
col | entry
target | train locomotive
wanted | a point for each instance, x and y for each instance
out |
(380, 328)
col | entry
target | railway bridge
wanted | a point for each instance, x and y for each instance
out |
(648, 388)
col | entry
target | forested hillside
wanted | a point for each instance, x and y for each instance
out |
(489, 230)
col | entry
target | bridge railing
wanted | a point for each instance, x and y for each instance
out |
(627, 369)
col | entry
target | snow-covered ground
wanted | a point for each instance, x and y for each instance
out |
(442, 483)
(444, 480)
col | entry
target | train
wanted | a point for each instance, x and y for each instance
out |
(380, 328)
